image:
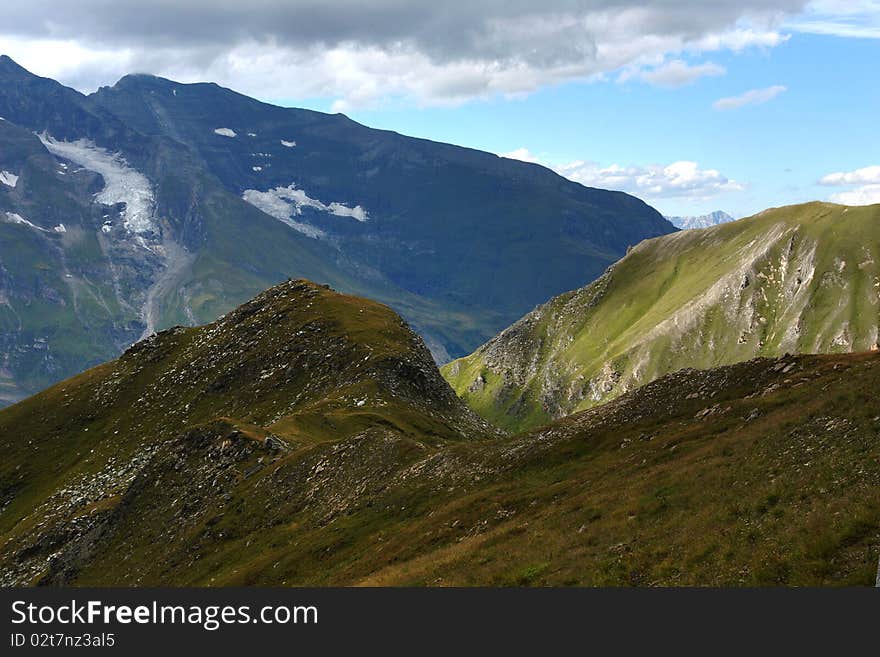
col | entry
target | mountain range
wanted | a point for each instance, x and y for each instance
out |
(192, 403)
(307, 437)
(701, 221)
(799, 279)
(153, 203)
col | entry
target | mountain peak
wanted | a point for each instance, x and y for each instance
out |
(295, 353)
(137, 80)
(132, 81)
(10, 69)
(701, 221)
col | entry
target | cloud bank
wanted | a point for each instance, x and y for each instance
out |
(859, 19)
(679, 180)
(365, 53)
(866, 183)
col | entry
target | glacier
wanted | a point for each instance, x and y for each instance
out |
(122, 183)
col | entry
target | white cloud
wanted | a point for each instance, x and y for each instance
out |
(868, 193)
(522, 154)
(678, 73)
(683, 179)
(867, 175)
(366, 54)
(429, 53)
(741, 39)
(858, 19)
(752, 97)
(839, 29)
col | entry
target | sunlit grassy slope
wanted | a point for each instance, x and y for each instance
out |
(800, 279)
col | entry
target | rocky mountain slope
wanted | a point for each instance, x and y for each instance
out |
(800, 279)
(701, 221)
(308, 438)
(181, 201)
(298, 366)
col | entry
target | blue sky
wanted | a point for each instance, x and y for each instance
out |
(827, 120)
(694, 106)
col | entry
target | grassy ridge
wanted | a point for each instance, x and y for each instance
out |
(800, 279)
(307, 438)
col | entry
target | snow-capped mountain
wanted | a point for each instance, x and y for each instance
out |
(702, 221)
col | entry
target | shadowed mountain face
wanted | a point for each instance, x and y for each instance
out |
(181, 201)
(800, 279)
(308, 438)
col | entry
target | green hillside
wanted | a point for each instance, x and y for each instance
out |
(800, 279)
(308, 438)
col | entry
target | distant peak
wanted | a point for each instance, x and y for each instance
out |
(139, 79)
(148, 81)
(701, 221)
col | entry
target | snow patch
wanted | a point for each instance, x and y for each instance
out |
(286, 202)
(342, 210)
(224, 132)
(14, 218)
(252, 134)
(283, 203)
(288, 144)
(60, 228)
(257, 169)
(122, 184)
(8, 179)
